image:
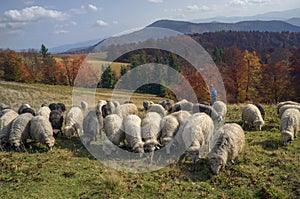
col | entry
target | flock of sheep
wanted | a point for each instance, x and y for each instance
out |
(199, 128)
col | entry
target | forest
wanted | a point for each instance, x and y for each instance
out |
(255, 66)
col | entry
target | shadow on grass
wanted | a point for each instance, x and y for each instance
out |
(270, 145)
(200, 172)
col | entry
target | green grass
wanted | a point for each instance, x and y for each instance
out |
(265, 168)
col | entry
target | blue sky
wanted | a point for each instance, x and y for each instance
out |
(29, 23)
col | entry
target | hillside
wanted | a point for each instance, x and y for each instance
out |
(265, 168)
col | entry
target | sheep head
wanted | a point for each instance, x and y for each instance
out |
(217, 163)
(49, 142)
(287, 137)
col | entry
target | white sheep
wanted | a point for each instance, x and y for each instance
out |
(113, 129)
(177, 105)
(91, 127)
(202, 108)
(19, 131)
(5, 124)
(283, 108)
(197, 134)
(124, 110)
(280, 104)
(41, 131)
(132, 128)
(221, 108)
(228, 145)
(158, 109)
(167, 104)
(44, 111)
(252, 116)
(289, 125)
(181, 115)
(73, 121)
(169, 126)
(150, 131)
(147, 104)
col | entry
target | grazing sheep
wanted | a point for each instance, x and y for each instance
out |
(286, 107)
(221, 108)
(126, 109)
(27, 110)
(56, 119)
(57, 106)
(113, 129)
(91, 127)
(280, 104)
(229, 144)
(73, 121)
(197, 133)
(150, 131)
(5, 124)
(41, 131)
(19, 131)
(167, 104)
(3, 107)
(158, 109)
(23, 106)
(252, 116)
(201, 108)
(177, 105)
(169, 126)
(261, 110)
(44, 111)
(108, 109)
(289, 125)
(181, 116)
(132, 128)
(147, 104)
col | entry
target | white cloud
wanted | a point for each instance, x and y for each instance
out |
(101, 23)
(249, 2)
(115, 22)
(93, 7)
(34, 13)
(58, 32)
(155, 1)
(198, 8)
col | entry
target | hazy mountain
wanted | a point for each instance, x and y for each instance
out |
(73, 47)
(294, 21)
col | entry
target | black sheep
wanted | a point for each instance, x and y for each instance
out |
(56, 119)
(261, 110)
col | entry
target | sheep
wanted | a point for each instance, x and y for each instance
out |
(27, 110)
(147, 104)
(19, 131)
(3, 107)
(44, 111)
(56, 119)
(181, 115)
(150, 131)
(252, 115)
(23, 106)
(196, 133)
(167, 104)
(201, 108)
(91, 127)
(41, 131)
(280, 104)
(285, 107)
(261, 110)
(289, 125)
(126, 109)
(5, 124)
(177, 105)
(113, 129)
(228, 145)
(169, 126)
(73, 121)
(108, 108)
(132, 128)
(221, 108)
(57, 106)
(158, 109)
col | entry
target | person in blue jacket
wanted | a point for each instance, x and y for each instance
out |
(213, 94)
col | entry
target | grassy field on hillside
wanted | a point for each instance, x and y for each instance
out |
(265, 168)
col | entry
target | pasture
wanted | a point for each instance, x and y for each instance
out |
(265, 168)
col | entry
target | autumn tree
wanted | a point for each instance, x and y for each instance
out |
(71, 66)
(295, 73)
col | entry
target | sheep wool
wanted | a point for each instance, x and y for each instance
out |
(252, 116)
(132, 128)
(41, 131)
(286, 107)
(19, 131)
(73, 121)
(289, 125)
(113, 129)
(126, 109)
(5, 124)
(44, 111)
(229, 144)
(221, 108)
(280, 104)
(158, 109)
(91, 127)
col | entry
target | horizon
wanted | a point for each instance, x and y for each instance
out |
(27, 24)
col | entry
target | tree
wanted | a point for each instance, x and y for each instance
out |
(295, 73)
(44, 51)
(108, 79)
(12, 64)
(72, 66)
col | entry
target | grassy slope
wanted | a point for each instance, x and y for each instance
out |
(265, 169)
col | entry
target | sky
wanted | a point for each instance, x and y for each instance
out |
(27, 24)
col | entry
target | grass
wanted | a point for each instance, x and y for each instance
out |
(265, 168)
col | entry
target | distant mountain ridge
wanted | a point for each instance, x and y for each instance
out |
(256, 25)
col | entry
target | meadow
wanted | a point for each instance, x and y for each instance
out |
(265, 168)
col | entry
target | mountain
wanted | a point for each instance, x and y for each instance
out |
(261, 26)
(72, 47)
(294, 21)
